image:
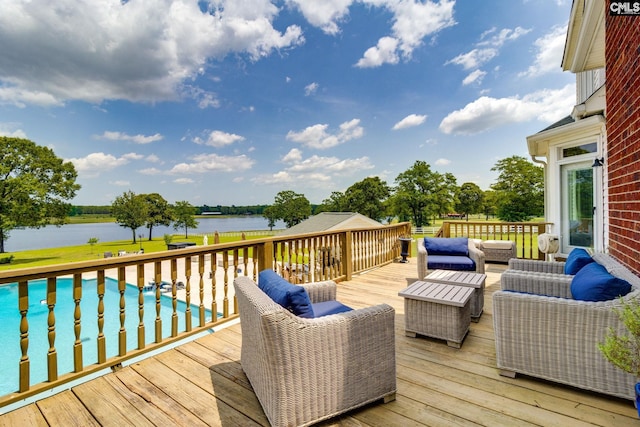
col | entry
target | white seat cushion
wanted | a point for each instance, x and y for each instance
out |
(497, 244)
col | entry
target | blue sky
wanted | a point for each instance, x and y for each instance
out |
(231, 101)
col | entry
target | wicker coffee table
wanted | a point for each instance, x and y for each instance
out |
(464, 278)
(437, 310)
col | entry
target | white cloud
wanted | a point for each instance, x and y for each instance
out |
(204, 163)
(294, 155)
(12, 130)
(310, 89)
(504, 35)
(152, 158)
(475, 76)
(219, 139)
(383, 53)
(140, 51)
(487, 113)
(120, 183)
(138, 139)
(150, 171)
(410, 121)
(474, 58)
(314, 171)
(325, 14)
(443, 162)
(317, 137)
(95, 163)
(550, 49)
(412, 22)
(183, 181)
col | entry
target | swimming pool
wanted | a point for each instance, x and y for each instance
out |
(37, 317)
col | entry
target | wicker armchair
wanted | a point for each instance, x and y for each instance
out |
(307, 370)
(423, 258)
(542, 332)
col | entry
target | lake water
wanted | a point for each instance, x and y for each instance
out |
(78, 234)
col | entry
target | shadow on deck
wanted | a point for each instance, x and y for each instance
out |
(202, 382)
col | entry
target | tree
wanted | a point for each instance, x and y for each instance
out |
(489, 203)
(368, 197)
(271, 215)
(519, 189)
(130, 211)
(290, 207)
(34, 185)
(158, 211)
(336, 202)
(183, 217)
(470, 199)
(421, 193)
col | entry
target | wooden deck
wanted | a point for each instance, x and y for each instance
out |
(202, 382)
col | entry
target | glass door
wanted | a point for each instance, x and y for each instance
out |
(578, 206)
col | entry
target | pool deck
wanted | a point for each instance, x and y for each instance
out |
(202, 382)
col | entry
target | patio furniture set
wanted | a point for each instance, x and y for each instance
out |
(309, 357)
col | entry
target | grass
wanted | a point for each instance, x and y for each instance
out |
(86, 252)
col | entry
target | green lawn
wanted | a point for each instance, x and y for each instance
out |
(86, 252)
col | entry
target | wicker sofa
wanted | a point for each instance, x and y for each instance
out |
(304, 370)
(541, 331)
(473, 253)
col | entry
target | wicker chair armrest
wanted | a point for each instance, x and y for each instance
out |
(321, 291)
(537, 265)
(422, 260)
(477, 256)
(556, 339)
(549, 284)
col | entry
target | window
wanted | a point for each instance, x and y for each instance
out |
(579, 150)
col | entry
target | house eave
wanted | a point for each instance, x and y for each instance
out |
(538, 144)
(585, 42)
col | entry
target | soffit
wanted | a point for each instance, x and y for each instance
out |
(585, 43)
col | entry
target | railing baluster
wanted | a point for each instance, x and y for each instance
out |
(78, 365)
(23, 306)
(225, 265)
(52, 355)
(158, 280)
(174, 296)
(141, 329)
(201, 309)
(122, 333)
(101, 341)
(187, 298)
(214, 269)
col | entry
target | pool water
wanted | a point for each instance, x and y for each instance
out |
(10, 352)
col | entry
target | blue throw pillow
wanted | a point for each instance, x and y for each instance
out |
(454, 246)
(577, 259)
(293, 298)
(594, 283)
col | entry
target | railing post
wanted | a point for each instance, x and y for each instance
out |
(446, 229)
(542, 228)
(265, 255)
(345, 249)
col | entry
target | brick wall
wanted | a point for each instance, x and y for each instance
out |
(623, 137)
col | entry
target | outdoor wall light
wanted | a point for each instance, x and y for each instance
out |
(598, 162)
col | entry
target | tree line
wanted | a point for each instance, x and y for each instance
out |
(35, 186)
(420, 195)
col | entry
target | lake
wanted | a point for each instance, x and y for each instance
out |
(78, 234)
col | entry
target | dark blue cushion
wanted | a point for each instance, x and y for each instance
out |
(293, 298)
(447, 246)
(326, 308)
(594, 283)
(447, 262)
(577, 259)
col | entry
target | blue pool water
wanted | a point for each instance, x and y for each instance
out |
(10, 352)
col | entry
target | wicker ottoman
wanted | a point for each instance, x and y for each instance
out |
(437, 310)
(498, 250)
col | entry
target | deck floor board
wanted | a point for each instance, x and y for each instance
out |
(202, 382)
